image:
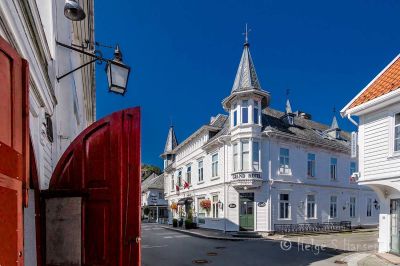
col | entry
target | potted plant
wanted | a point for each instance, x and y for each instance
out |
(175, 222)
(188, 224)
(206, 204)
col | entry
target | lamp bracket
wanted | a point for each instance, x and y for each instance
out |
(96, 55)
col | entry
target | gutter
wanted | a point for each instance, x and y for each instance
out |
(352, 120)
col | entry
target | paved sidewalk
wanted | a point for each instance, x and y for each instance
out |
(209, 233)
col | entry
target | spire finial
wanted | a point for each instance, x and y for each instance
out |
(246, 35)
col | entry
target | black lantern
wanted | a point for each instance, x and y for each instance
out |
(117, 73)
(73, 11)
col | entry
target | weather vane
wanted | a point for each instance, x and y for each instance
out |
(246, 34)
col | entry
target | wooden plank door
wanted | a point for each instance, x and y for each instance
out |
(14, 152)
(103, 164)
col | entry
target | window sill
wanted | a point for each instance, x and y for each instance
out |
(201, 182)
(285, 174)
(394, 155)
(214, 178)
(311, 177)
(284, 219)
(311, 218)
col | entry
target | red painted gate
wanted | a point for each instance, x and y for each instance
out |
(103, 162)
(14, 152)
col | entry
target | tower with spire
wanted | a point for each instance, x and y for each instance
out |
(247, 98)
(334, 130)
(170, 145)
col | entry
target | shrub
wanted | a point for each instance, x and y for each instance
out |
(174, 222)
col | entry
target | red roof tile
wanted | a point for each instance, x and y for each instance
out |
(387, 81)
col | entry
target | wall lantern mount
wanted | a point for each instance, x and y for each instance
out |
(117, 71)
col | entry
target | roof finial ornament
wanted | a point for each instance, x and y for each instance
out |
(334, 124)
(288, 108)
(246, 36)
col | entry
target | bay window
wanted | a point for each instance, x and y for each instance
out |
(245, 112)
(235, 115)
(256, 156)
(245, 155)
(235, 157)
(255, 113)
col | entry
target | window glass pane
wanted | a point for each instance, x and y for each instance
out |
(255, 115)
(245, 115)
(234, 118)
(256, 156)
(397, 119)
(245, 155)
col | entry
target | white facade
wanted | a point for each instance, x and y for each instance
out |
(253, 167)
(379, 151)
(32, 28)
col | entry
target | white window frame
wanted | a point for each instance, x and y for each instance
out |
(214, 165)
(256, 112)
(287, 207)
(396, 127)
(235, 115)
(214, 203)
(244, 166)
(255, 153)
(314, 207)
(235, 156)
(200, 171)
(311, 163)
(172, 182)
(180, 178)
(333, 206)
(284, 169)
(189, 174)
(244, 105)
(333, 167)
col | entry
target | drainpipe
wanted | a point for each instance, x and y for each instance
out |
(352, 120)
(269, 180)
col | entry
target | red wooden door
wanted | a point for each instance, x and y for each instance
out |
(104, 163)
(14, 152)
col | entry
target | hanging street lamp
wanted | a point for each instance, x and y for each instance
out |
(117, 71)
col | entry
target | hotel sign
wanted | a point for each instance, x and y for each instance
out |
(246, 175)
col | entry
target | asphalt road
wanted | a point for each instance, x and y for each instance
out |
(165, 247)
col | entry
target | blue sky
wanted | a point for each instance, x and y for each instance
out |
(184, 56)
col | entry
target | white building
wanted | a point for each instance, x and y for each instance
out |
(261, 168)
(59, 110)
(153, 198)
(378, 109)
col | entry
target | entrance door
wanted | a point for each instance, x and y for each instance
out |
(14, 150)
(246, 215)
(395, 226)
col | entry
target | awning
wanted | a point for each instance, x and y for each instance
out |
(184, 201)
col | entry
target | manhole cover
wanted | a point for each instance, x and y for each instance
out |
(200, 261)
(340, 262)
(220, 247)
(212, 253)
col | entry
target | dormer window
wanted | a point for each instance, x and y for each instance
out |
(245, 112)
(290, 120)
